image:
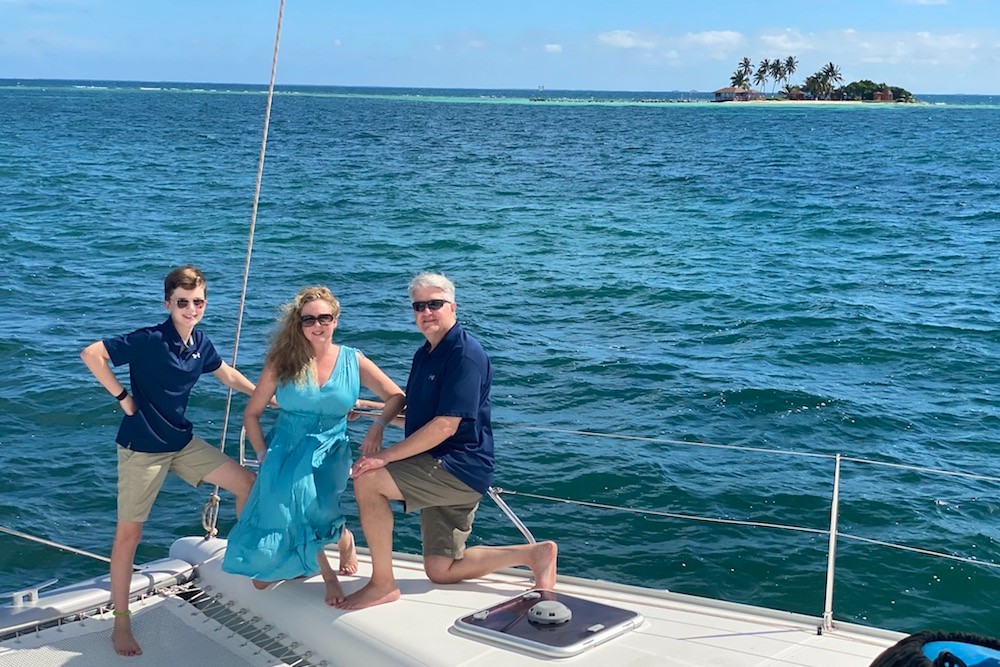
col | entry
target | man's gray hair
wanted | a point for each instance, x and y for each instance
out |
(433, 280)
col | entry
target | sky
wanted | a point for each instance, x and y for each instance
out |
(925, 46)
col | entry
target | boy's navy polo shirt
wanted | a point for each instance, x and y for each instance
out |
(161, 373)
(454, 380)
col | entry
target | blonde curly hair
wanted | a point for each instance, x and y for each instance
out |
(290, 354)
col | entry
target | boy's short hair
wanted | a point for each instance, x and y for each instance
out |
(187, 277)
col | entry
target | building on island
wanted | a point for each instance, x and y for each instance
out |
(882, 96)
(737, 94)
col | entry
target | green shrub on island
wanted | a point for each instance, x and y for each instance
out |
(866, 90)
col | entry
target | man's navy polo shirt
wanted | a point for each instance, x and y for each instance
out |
(162, 371)
(454, 380)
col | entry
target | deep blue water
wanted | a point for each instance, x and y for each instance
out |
(812, 279)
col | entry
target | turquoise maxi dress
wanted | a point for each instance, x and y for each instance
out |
(294, 508)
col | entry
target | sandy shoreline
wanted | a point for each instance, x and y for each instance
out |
(808, 103)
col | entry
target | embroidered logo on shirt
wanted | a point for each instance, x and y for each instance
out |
(431, 377)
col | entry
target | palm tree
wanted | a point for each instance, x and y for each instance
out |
(830, 74)
(777, 70)
(814, 86)
(745, 67)
(790, 64)
(760, 78)
(739, 79)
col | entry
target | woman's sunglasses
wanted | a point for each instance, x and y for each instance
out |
(433, 304)
(309, 320)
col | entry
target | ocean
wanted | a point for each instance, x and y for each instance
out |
(646, 271)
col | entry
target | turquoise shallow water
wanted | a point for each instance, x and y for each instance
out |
(819, 280)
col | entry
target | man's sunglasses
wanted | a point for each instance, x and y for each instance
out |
(309, 320)
(184, 303)
(433, 304)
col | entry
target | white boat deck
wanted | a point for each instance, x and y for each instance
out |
(418, 629)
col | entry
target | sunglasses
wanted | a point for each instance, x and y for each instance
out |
(309, 320)
(184, 303)
(433, 304)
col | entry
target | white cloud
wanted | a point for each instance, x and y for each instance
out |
(625, 39)
(553, 48)
(788, 41)
(714, 38)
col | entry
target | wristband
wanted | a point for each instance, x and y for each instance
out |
(121, 397)
(381, 422)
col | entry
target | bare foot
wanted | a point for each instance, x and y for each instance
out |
(369, 596)
(122, 640)
(262, 585)
(334, 593)
(348, 553)
(545, 555)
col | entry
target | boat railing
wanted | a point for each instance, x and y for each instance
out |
(833, 532)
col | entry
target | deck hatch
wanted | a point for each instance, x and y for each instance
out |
(509, 623)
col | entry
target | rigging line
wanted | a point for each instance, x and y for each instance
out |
(905, 466)
(763, 450)
(669, 515)
(917, 550)
(212, 520)
(57, 545)
(756, 524)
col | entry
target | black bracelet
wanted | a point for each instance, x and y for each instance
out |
(121, 397)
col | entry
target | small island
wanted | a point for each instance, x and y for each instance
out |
(819, 86)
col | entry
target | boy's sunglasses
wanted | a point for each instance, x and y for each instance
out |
(309, 320)
(184, 303)
(433, 304)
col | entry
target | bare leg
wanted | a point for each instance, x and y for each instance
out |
(127, 537)
(479, 561)
(234, 478)
(334, 593)
(373, 491)
(348, 553)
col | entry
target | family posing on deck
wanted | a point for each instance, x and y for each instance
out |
(290, 511)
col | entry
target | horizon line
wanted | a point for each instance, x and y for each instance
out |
(342, 85)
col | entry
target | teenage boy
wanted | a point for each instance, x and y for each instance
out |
(155, 437)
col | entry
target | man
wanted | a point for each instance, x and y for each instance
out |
(444, 465)
(164, 363)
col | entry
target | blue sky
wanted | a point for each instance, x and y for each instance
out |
(926, 46)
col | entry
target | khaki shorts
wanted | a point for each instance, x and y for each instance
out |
(447, 504)
(141, 474)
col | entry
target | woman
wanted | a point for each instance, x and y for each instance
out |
(293, 511)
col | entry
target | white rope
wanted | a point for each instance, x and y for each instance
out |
(210, 515)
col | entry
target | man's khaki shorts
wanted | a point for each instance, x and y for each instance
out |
(447, 504)
(141, 474)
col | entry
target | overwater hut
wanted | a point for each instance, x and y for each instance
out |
(737, 94)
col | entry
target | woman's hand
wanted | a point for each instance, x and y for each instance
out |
(373, 441)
